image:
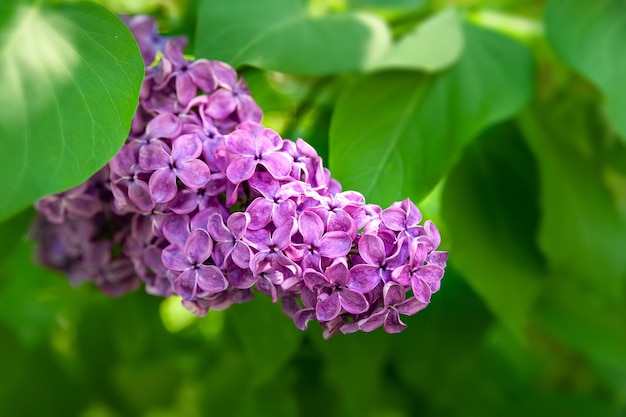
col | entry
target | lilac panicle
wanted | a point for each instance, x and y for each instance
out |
(204, 202)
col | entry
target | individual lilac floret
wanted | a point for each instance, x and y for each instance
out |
(181, 162)
(394, 304)
(188, 261)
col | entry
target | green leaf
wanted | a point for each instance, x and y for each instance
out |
(69, 85)
(433, 45)
(590, 38)
(408, 5)
(395, 134)
(579, 318)
(268, 337)
(281, 35)
(582, 232)
(491, 211)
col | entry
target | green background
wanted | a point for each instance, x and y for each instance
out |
(504, 120)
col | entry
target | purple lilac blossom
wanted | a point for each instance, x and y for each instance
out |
(204, 202)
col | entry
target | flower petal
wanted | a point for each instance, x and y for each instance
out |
(194, 173)
(335, 244)
(241, 169)
(328, 307)
(174, 258)
(311, 227)
(211, 279)
(372, 249)
(176, 229)
(185, 284)
(217, 229)
(154, 156)
(162, 185)
(364, 278)
(429, 273)
(374, 321)
(260, 212)
(186, 147)
(421, 290)
(277, 163)
(198, 246)
(393, 324)
(353, 302)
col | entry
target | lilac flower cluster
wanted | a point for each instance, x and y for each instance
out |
(204, 202)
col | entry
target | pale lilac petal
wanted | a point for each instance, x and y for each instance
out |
(194, 173)
(393, 294)
(394, 218)
(393, 324)
(328, 307)
(174, 258)
(410, 306)
(413, 215)
(139, 194)
(314, 280)
(248, 109)
(302, 318)
(153, 157)
(185, 202)
(224, 74)
(217, 229)
(372, 249)
(311, 226)
(241, 142)
(337, 273)
(201, 73)
(211, 279)
(353, 302)
(241, 278)
(374, 321)
(176, 229)
(429, 273)
(186, 147)
(185, 88)
(198, 246)
(433, 233)
(402, 275)
(421, 290)
(260, 212)
(241, 169)
(438, 258)
(364, 278)
(265, 184)
(282, 235)
(238, 224)
(123, 161)
(185, 284)
(335, 244)
(164, 125)
(277, 163)
(284, 212)
(221, 104)
(241, 255)
(162, 185)
(342, 222)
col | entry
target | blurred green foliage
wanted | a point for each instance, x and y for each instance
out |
(512, 139)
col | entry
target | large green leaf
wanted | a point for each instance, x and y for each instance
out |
(281, 35)
(432, 46)
(395, 134)
(583, 232)
(69, 84)
(590, 37)
(491, 210)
